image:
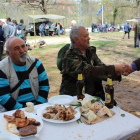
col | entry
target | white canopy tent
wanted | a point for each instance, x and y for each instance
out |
(39, 18)
(49, 16)
(134, 19)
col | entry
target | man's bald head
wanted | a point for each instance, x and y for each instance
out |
(10, 40)
(16, 50)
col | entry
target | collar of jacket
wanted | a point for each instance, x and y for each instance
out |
(89, 50)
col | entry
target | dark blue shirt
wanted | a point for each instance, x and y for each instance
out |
(1, 34)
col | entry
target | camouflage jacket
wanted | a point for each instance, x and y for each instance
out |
(93, 70)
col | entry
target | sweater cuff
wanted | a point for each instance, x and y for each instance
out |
(134, 66)
(110, 70)
(137, 62)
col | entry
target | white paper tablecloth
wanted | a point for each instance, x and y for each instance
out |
(114, 128)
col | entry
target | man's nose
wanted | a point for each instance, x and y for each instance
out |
(21, 50)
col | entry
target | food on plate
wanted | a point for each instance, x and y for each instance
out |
(26, 126)
(30, 107)
(9, 118)
(19, 114)
(21, 122)
(28, 130)
(59, 112)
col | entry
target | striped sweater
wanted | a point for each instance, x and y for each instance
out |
(25, 93)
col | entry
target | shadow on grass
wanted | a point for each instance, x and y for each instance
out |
(130, 46)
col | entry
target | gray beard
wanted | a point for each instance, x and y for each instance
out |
(23, 58)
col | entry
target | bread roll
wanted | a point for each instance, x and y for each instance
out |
(104, 111)
(86, 103)
(91, 116)
(30, 107)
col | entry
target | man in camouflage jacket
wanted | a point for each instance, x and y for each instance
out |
(82, 58)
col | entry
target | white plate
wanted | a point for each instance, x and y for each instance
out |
(61, 99)
(13, 129)
(42, 110)
(8, 136)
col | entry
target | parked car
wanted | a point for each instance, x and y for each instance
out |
(68, 30)
(30, 28)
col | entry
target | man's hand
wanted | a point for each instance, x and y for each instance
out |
(128, 70)
(123, 69)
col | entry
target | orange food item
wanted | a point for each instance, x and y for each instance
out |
(21, 122)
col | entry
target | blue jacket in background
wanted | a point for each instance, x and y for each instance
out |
(127, 28)
(41, 28)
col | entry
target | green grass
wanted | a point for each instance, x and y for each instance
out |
(102, 44)
(48, 69)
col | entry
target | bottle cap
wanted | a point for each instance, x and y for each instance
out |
(80, 77)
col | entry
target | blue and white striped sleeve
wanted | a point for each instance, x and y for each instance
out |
(43, 83)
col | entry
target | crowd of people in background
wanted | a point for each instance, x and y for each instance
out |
(11, 28)
(107, 27)
(46, 30)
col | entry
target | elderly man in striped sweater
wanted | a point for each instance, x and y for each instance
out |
(18, 84)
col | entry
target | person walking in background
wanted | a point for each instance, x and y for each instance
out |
(4, 29)
(103, 27)
(18, 29)
(47, 29)
(1, 40)
(136, 34)
(73, 23)
(10, 29)
(41, 30)
(118, 27)
(58, 29)
(91, 27)
(52, 29)
(106, 27)
(23, 29)
(127, 30)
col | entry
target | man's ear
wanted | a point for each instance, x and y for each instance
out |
(7, 52)
(76, 40)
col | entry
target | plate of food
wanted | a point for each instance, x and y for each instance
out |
(21, 123)
(61, 99)
(8, 136)
(58, 113)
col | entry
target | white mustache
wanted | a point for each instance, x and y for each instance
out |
(22, 54)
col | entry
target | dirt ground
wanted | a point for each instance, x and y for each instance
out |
(127, 91)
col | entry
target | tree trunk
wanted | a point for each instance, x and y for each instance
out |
(137, 8)
(43, 7)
